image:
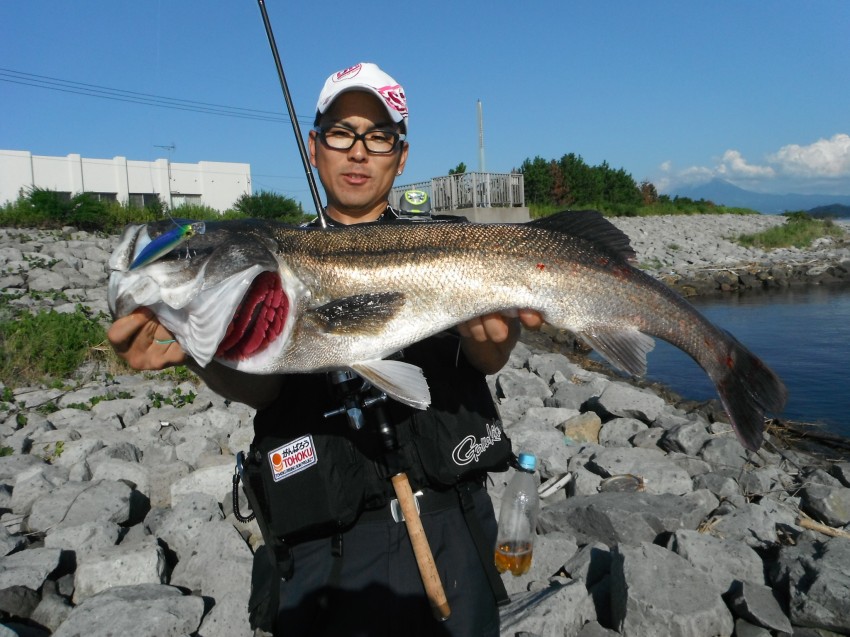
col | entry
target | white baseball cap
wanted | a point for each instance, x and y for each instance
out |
(365, 76)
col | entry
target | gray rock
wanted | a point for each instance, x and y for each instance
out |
(12, 466)
(144, 610)
(142, 563)
(660, 475)
(724, 561)
(746, 629)
(648, 438)
(589, 565)
(618, 432)
(841, 471)
(180, 525)
(18, 601)
(133, 473)
(626, 401)
(545, 365)
(815, 578)
(34, 483)
(84, 538)
(573, 395)
(595, 629)
(720, 485)
(750, 523)
(162, 477)
(830, 505)
(623, 518)
(515, 382)
(28, 568)
(726, 454)
(10, 542)
(555, 610)
(219, 567)
(52, 609)
(757, 604)
(688, 438)
(76, 503)
(512, 409)
(656, 592)
(215, 481)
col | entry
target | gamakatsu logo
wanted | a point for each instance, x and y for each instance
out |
(470, 450)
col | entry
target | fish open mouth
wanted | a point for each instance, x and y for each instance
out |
(258, 320)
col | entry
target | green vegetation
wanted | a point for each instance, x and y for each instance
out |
(45, 347)
(799, 231)
(552, 186)
(42, 208)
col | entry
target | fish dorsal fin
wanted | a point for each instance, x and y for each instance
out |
(591, 226)
(402, 381)
(361, 313)
(625, 349)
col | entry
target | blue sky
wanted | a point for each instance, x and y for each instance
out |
(757, 93)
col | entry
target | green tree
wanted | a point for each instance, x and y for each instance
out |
(537, 178)
(648, 193)
(269, 205)
(458, 170)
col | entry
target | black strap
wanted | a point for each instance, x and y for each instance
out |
(485, 551)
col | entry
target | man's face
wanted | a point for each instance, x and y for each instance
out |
(357, 182)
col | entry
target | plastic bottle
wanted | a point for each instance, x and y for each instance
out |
(518, 519)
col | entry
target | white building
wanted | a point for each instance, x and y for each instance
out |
(209, 183)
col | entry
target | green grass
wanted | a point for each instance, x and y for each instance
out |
(799, 231)
(671, 207)
(46, 347)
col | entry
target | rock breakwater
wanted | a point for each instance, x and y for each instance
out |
(116, 498)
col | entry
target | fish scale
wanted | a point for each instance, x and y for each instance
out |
(355, 295)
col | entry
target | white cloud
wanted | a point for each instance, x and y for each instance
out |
(733, 165)
(824, 158)
(822, 166)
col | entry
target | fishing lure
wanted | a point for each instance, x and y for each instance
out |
(167, 242)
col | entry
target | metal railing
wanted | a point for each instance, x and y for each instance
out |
(469, 190)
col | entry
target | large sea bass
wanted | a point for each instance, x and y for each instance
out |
(269, 298)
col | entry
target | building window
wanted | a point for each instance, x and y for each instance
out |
(104, 196)
(185, 200)
(143, 199)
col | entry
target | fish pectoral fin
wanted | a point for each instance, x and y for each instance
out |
(402, 381)
(625, 349)
(359, 314)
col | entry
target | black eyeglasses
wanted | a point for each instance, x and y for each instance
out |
(380, 142)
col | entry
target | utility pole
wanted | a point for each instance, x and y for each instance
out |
(481, 168)
(170, 148)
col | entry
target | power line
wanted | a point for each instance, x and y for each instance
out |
(104, 92)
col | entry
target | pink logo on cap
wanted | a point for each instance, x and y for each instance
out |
(394, 97)
(348, 73)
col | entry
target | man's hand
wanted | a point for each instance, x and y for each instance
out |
(488, 340)
(144, 342)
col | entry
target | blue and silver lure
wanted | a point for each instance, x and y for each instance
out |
(167, 242)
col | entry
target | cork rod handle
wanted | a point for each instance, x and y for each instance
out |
(421, 549)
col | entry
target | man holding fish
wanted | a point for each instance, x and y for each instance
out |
(347, 567)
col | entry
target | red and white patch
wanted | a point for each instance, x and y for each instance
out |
(293, 457)
(394, 97)
(347, 74)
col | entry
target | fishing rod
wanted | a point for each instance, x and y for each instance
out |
(311, 180)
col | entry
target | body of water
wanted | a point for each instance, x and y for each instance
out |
(803, 334)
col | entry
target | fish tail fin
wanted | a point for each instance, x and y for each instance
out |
(748, 388)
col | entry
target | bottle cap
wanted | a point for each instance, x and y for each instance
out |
(527, 461)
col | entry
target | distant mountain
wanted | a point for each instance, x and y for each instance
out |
(726, 194)
(832, 211)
